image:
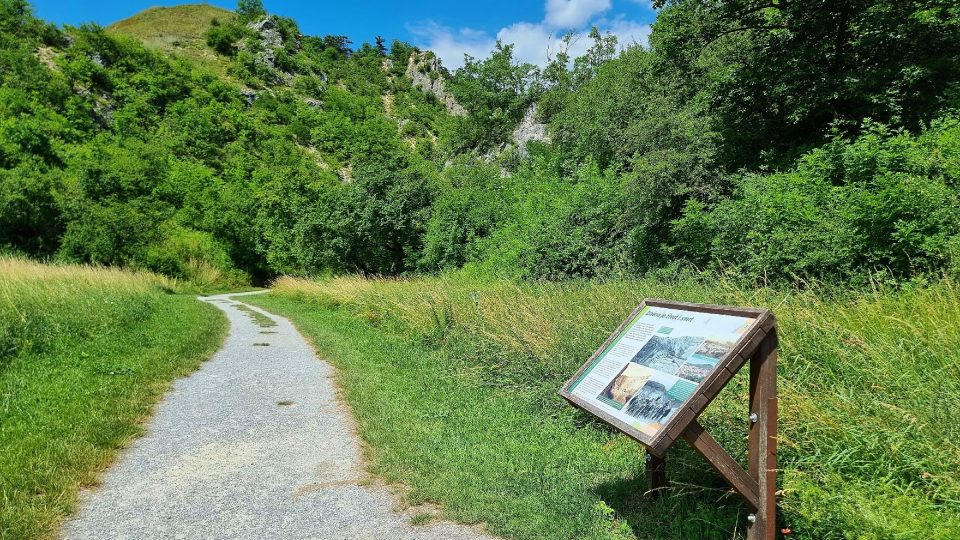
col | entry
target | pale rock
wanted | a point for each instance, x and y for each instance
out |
(530, 129)
(427, 74)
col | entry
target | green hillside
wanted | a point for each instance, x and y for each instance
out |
(179, 30)
(118, 154)
(235, 142)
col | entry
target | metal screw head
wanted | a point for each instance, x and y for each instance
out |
(752, 518)
(754, 418)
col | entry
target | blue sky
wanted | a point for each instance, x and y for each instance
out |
(449, 28)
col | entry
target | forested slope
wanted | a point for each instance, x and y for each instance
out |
(117, 154)
(777, 141)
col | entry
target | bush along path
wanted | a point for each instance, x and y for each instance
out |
(255, 444)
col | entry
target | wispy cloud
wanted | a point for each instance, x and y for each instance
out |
(573, 13)
(533, 41)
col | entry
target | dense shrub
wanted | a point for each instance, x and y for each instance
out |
(224, 38)
(469, 207)
(327, 159)
(886, 201)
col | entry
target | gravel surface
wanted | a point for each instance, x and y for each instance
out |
(255, 445)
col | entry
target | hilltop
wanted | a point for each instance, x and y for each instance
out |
(179, 30)
(163, 27)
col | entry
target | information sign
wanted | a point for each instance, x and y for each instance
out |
(656, 364)
(656, 373)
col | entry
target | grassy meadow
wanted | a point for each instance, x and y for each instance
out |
(453, 383)
(178, 30)
(85, 352)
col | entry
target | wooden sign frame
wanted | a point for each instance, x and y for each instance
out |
(758, 346)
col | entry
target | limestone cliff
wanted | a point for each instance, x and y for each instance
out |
(425, 71)
(530, 129)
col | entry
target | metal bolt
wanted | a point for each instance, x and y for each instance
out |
(648, 457)
(752, 518)
(754, 418)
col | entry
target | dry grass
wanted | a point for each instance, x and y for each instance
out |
(41, 305)
(16, 272)
(180, 30)
(869, 393)
(84, 353)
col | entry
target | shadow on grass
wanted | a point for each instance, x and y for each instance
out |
(697, 503)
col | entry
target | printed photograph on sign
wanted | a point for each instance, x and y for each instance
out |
(630, 380)
(653, 367)
(657, 400)
(667, 354)
(704, 359)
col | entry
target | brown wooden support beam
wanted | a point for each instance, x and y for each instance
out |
(762, 441)
(728, 467)
(656, 475)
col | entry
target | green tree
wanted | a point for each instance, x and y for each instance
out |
(495, 92)
(799, 67)
(249, 10)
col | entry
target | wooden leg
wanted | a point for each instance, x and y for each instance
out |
(762, 441)
(656, 475)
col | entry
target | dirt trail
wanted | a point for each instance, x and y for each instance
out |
(254, 445)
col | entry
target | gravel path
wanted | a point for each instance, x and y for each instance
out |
(255, 445)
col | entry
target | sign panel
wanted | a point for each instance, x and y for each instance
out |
(656, 364)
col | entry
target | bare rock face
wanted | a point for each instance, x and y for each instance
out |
(272, 41)
(249, 95)
(267, 29)
(103, 107)
(427, 75)
(530, 129)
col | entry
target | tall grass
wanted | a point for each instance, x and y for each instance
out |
(42, 306)
(869, 382)
(84, 353)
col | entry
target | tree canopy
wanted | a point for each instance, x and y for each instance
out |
(778, 140)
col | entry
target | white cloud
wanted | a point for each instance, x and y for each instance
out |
(450, 45)
(573, 13)
(532, 41)
(629, 32)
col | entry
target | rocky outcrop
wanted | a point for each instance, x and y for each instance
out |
(270, 39)
(249, 95)
(104, 105)
(425, 71)
(530, 129)
(271, 42)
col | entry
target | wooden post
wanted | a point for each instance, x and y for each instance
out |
(762, 442)
(758, 484)
(656, 475)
